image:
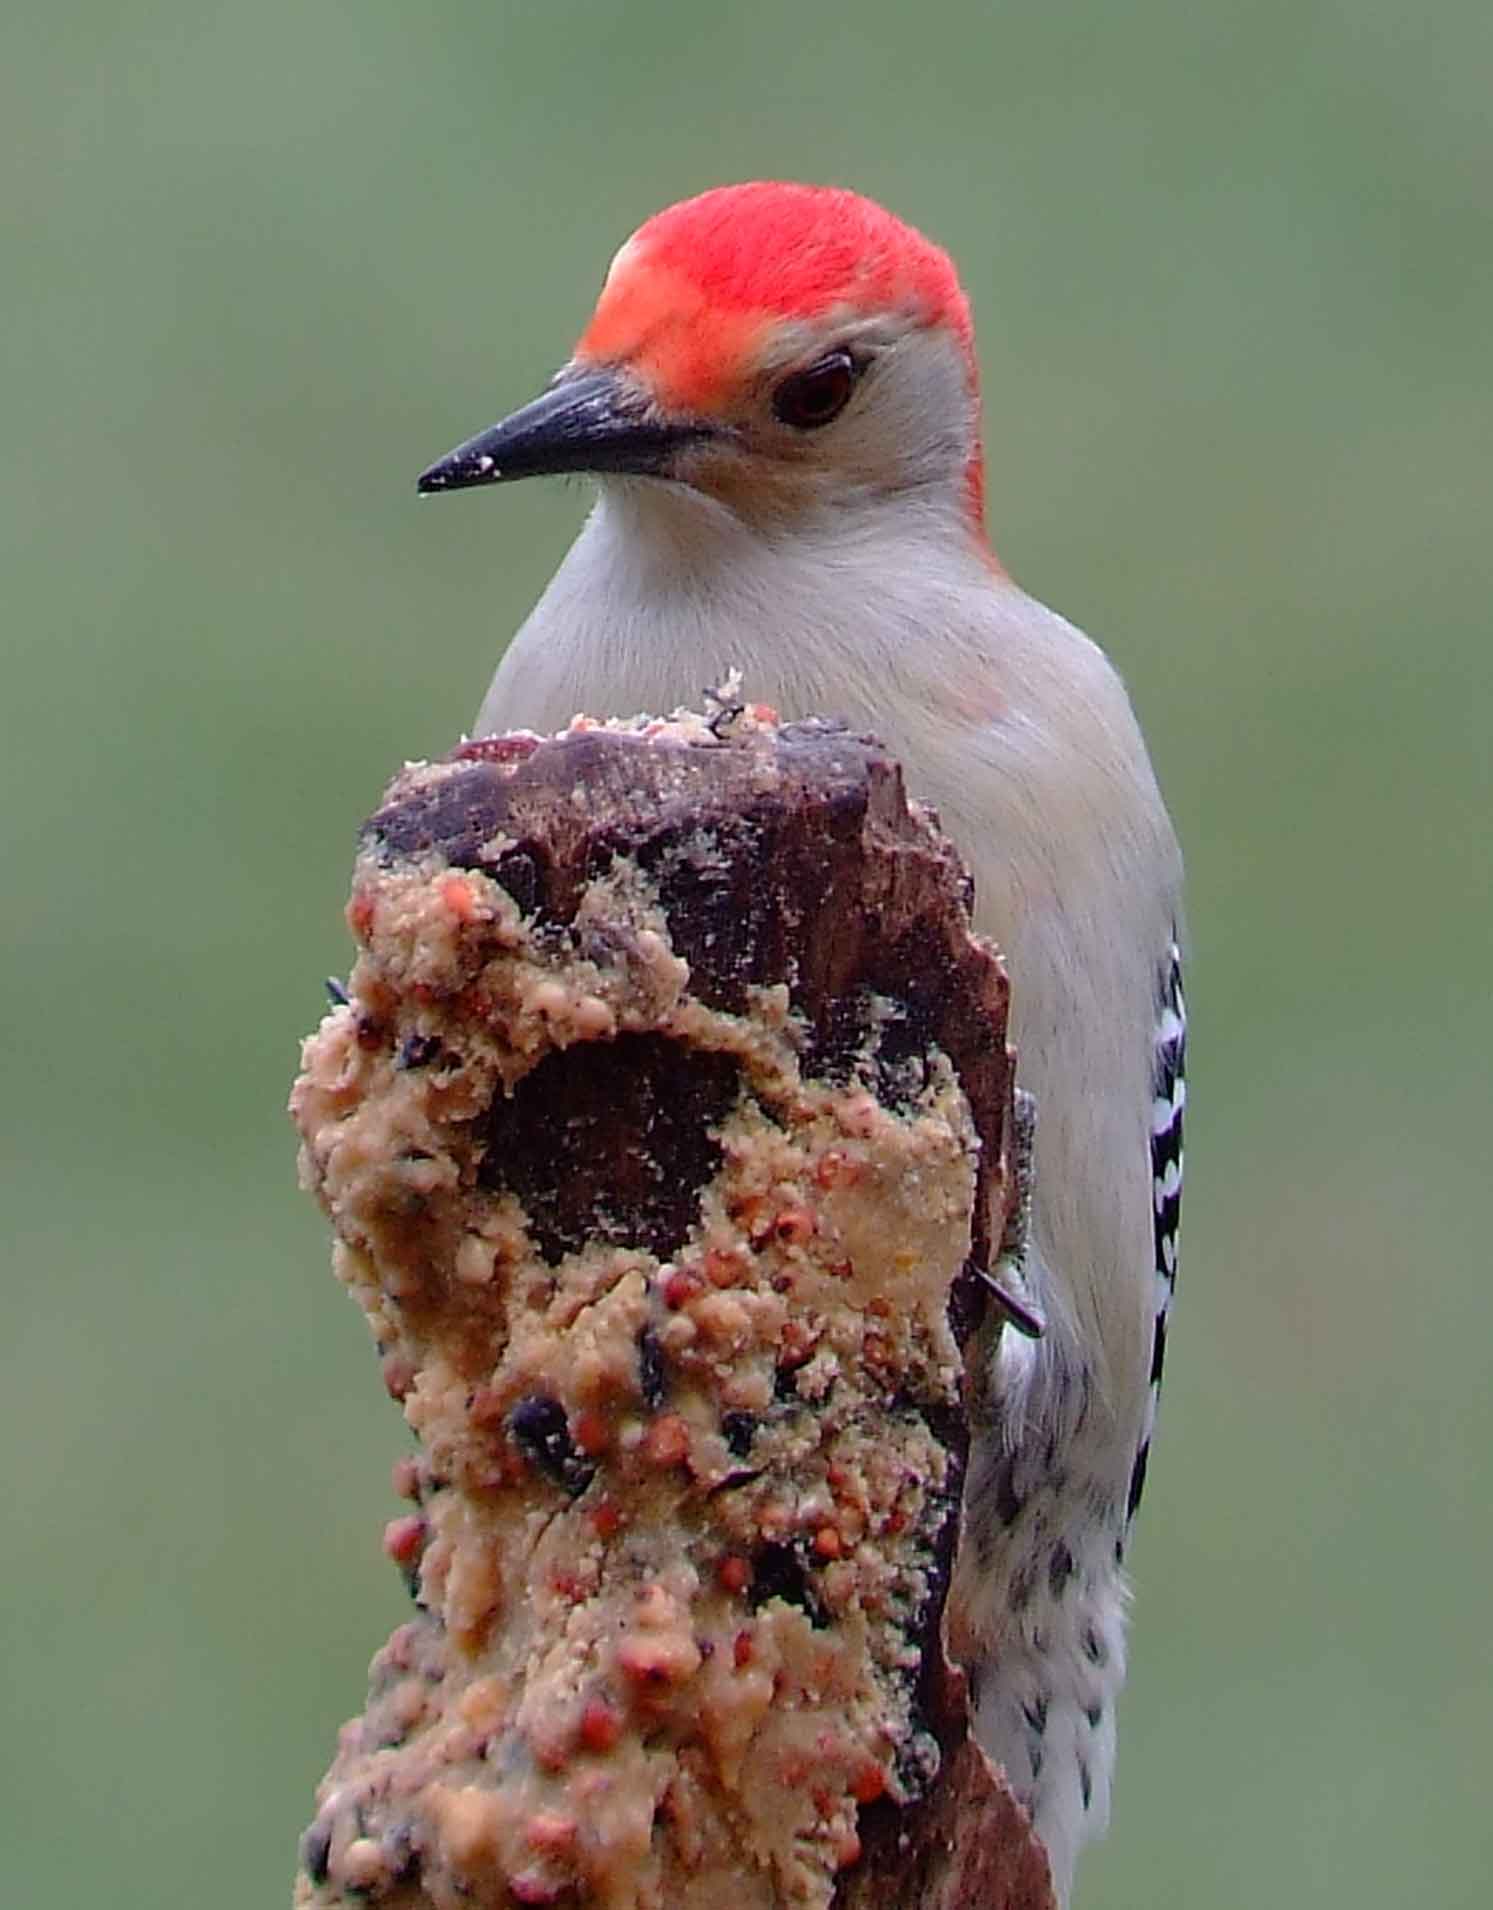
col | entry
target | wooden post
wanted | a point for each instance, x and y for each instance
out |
(661, 1132)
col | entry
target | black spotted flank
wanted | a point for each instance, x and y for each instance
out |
(1035, 1714)
(1060, 1568)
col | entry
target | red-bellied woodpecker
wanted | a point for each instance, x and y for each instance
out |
(778, 395)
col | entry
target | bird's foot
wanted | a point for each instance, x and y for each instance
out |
(1006, 1281)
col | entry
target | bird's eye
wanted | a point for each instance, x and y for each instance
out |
(817, 395)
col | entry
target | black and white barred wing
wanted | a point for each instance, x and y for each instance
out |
(1166, 1181)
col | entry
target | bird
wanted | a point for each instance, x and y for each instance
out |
(778, 398)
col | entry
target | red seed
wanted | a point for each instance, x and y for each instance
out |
(496, 749)
(680, 1286)
(741, 1650)
(722, 1269)
(601, 1725)
(734, 1573)
(591, 1432)
(796, 1343)
(666, 1441)
(795, 1225)
(827, 1542)
(606, 1520)
(404, 1538)
(550, 1830)
(458, 899)
(399, 1375)
(868, 1784)
(487, 1406)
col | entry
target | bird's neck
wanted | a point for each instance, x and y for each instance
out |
(666, 590)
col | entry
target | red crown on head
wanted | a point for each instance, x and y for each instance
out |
(797, 251)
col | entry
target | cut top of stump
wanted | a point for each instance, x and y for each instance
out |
(779, 855)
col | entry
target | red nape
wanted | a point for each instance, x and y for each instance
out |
(797, 250)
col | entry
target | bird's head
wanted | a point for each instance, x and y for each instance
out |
(780, 348)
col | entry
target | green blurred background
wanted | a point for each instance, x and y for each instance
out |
(1232, 271)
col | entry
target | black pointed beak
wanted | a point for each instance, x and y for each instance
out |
(586, 421)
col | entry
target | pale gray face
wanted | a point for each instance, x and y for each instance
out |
(873, 407)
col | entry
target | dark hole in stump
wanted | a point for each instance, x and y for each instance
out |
(611, 1141)
(779, 1572)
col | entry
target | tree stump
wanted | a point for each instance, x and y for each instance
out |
(662, 1130)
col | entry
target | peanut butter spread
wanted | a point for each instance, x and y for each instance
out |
(671, 1519)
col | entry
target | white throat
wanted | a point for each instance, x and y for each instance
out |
(665, 590)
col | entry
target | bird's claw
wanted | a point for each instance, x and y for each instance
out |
(1006, 1283)
(1017, 1312)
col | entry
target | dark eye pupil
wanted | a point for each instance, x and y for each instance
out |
(814, 397)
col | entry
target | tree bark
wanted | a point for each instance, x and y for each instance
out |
(662, 1133)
